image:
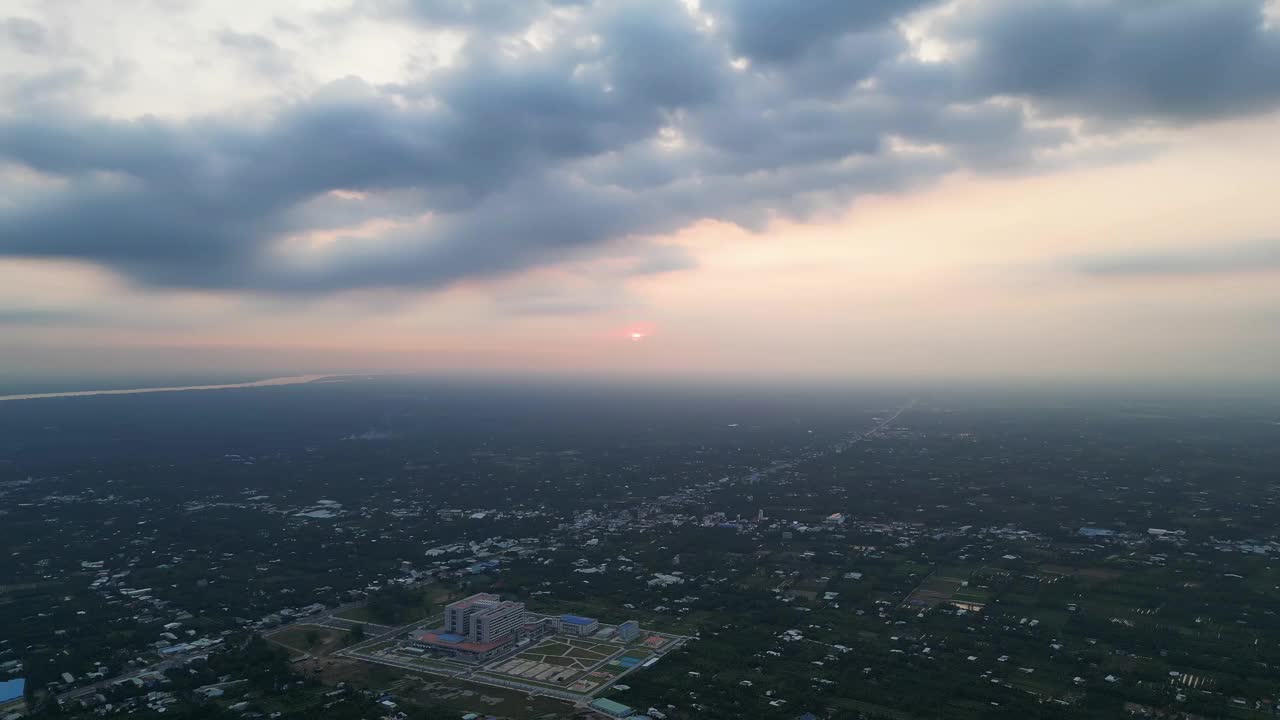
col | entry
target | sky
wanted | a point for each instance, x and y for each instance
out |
(1059, 189)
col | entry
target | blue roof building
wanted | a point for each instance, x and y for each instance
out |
(578, 625)
(629, 630)
(11, 690)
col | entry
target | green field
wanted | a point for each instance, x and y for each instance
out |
(309, 639)
(407, 607)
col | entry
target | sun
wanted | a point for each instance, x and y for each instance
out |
(635, 332)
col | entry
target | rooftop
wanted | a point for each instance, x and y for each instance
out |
(477, 599)
(611, 707)
(12, 689)
(458, 642)
(576, 620)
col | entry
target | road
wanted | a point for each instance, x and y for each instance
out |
(168, 663)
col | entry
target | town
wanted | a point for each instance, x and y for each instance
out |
(909, 560)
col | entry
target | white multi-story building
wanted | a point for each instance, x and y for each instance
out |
(483, 618)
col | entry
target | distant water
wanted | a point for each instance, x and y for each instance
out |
(292, 380)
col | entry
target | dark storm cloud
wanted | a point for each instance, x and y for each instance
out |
(634, 123)
(1218, 260)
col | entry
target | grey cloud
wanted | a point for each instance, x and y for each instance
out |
(783, 30)
(834, 69)
(42, 316)
(659, 58)
(42, 88)
(532, 222)
(26, 35)
(499, 16)
(96, 316)
(1184, 60)
(261, 52)
(500, 164)
(1216, 260)
(286, 25)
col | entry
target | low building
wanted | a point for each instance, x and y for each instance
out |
(577, 625)
(458, 647)
(611, 708)
(629, 630)
(13, 700)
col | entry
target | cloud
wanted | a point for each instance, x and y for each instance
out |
(775, 31)
(1180, 60)
(1250, 257)
(43, 88)
(25, 35)
(44, 316)
(560, 131)
(261, 52)
(483, 15)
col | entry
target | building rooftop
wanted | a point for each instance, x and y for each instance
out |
(616, 709)
(477, 599)
(576, 620)
(12, 689)
(458, 642)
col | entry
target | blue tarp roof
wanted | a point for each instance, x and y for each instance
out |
(12, 689)
(576, 620)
